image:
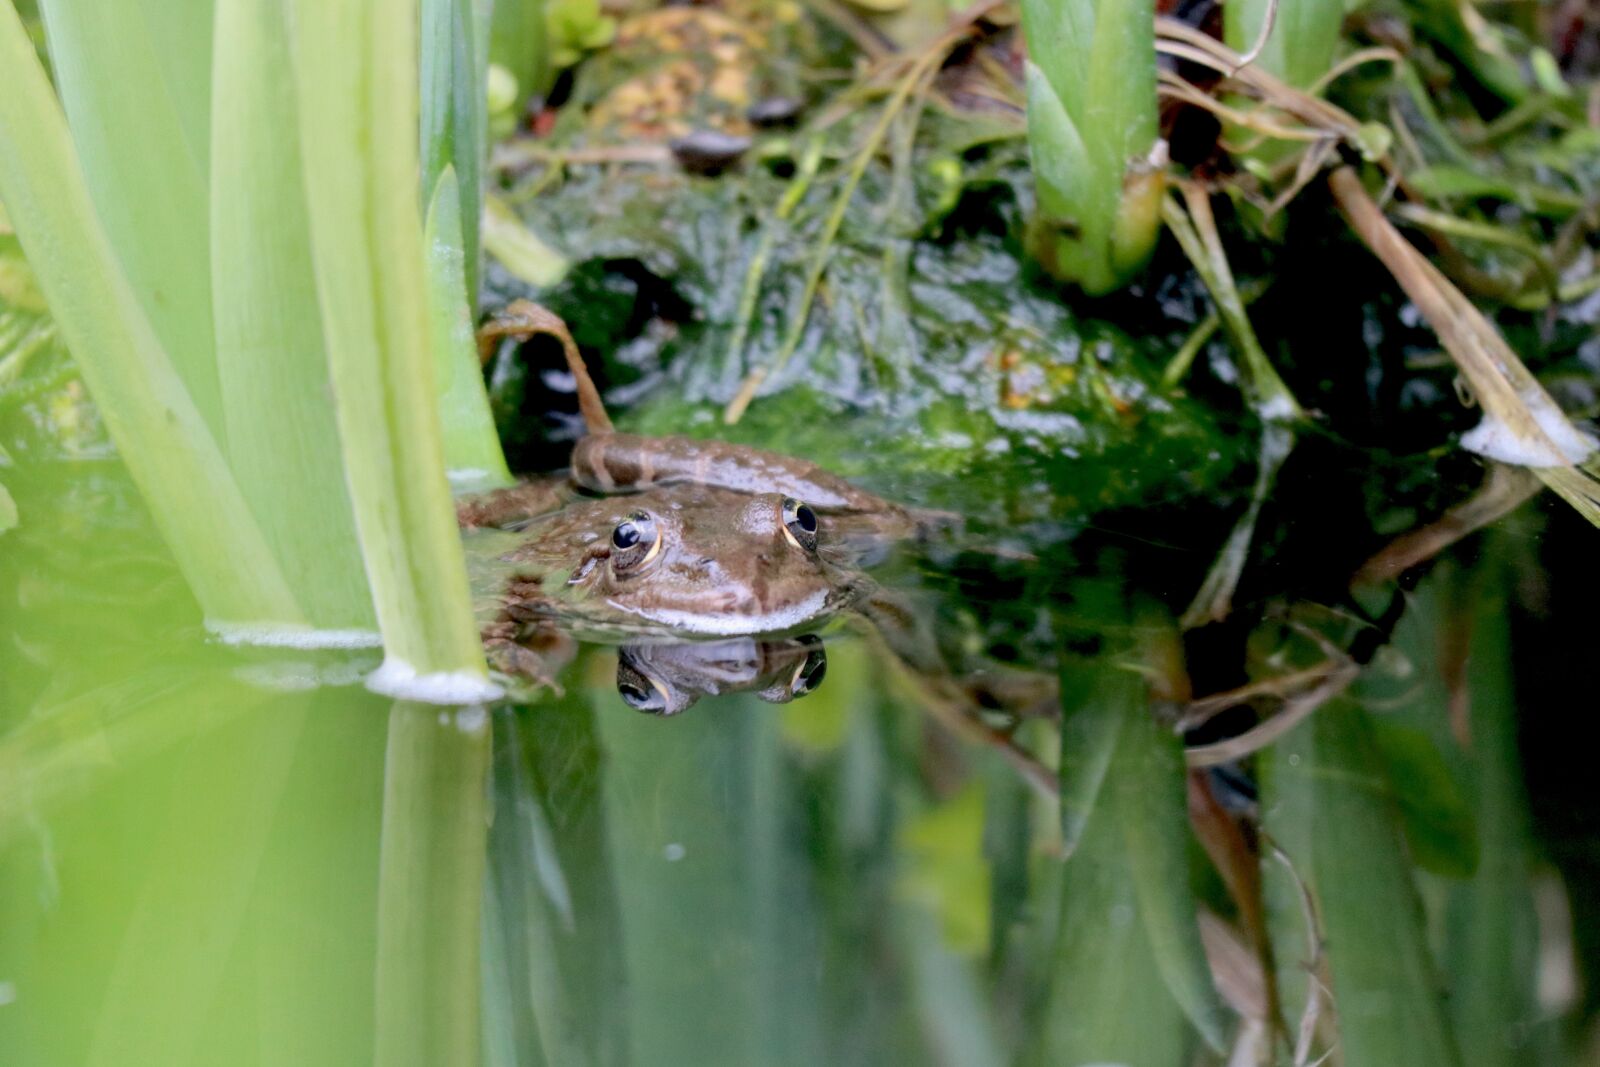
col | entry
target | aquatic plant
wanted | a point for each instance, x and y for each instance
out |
(265, 365)
(1098, 159)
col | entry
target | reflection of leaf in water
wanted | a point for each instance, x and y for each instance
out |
(945, 868)
(1329, 805)
(821, 723)
(1434, 812)
(1106, 1001)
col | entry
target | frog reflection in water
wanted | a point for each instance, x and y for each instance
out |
(667, 679)
(697, 539)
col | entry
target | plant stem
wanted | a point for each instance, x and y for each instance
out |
(430, 887)
(359, 151)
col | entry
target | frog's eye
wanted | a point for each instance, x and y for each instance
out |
(641, 692)
(800, 524)
(635, 541)
(811, 672)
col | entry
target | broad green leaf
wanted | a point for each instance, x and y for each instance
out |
(1107, 1001)
(471, 446)
(1304, 37)
(949, 996)
(454, 71)
(1329, 805)
(135, 80)
(1480, 48)
(1493, 943)
(162, 437)
(283, 440)
(517, 42)
(1149, 773)
(518, 248)
(1434, 812)
(1091, 119)
(1095, 698)
(356, 76)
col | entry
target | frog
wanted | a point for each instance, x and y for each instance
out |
(689, 560)
(661, 538)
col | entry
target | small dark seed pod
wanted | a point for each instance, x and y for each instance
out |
(774, 111)
(709, 151)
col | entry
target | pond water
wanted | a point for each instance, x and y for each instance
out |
(219, 855)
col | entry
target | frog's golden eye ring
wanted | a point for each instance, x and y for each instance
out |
(799, 524)
(641, 692)
(809, 674)
(636, 541)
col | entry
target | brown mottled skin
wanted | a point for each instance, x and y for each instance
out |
(725, 566)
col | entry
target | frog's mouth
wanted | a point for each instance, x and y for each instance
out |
(741, 623)
(612, 619)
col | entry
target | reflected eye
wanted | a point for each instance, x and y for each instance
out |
(636, 541)
(800, 524)
(811, 672)
(638, 691)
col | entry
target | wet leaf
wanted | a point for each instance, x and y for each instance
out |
(1015, 407)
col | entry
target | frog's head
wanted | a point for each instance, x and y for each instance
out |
(749, 565)
(693, 561)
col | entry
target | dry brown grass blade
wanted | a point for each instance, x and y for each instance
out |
(1502, 384)
(1522, 424)
(1578, 486)
(1293, 712)
(1503, 491)
(523, 319)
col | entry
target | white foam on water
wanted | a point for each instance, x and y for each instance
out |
(468, 479)
(301, 676)
(1495, 440)
(399, 679)
(286, 635)
(1278, 408)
